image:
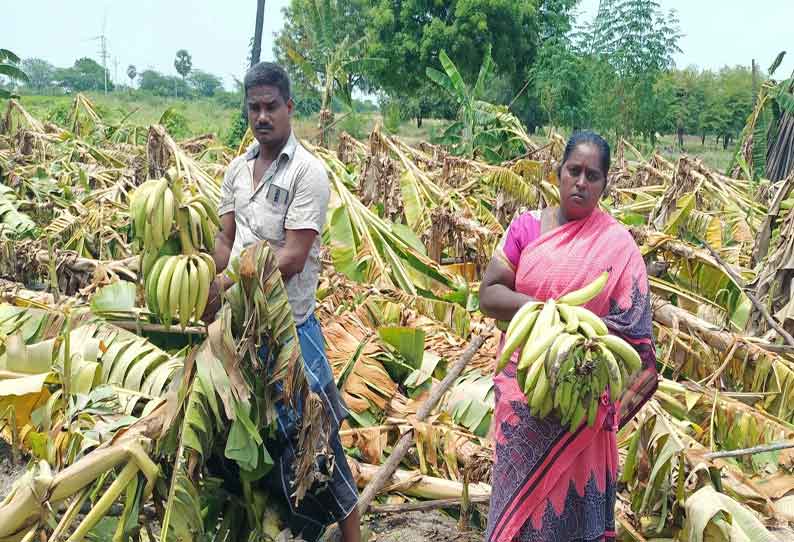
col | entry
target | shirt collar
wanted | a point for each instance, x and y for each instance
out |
(287, 151)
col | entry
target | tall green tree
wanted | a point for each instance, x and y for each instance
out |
(628, 46)
(321, 45)
(41, 74)
(183, 63)
(554, 79)
(205, 84)
(410, 35)
(132, 73)
(86, 74)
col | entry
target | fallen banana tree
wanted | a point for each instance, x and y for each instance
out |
(201, 412)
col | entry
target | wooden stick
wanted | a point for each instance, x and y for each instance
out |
(750, 451)
(425, 505)
(758, 305)
(159, 328)
(401, 448)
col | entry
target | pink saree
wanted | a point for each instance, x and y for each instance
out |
(550, 485)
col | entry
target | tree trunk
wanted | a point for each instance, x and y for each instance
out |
(256, 48)
(419, 121)
(680, 137)
(703, 139)
(725, 142)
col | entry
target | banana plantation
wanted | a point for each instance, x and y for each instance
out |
(123, 409)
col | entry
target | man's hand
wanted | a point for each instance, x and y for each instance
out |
(224, 241)
(219, 285)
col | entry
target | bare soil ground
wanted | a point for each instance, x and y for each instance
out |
(9, 470)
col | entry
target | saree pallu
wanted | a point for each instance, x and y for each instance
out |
(550, 485)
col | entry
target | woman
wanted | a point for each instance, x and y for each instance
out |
(551, 485)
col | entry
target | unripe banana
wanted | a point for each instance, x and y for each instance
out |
(168, 214)
(578, 417)
(548, 404)
(183, 224)
(587, 330)
(544, 321)
(164, 288)
(195, 227)
(520, 315)
(148, 258)
(138, 209)
(154, 212)
(569, 317)
(539, 393)
(595, 322)
(205, 277)
(151, 282)
(611, 368)
(533, 350)
(564, 359)
(531, 380)
(175, 287)
(585, 294)
(194, 287)
(551, 356)
(516, 335)
(625, 351)
(185, 308)
(592, 409)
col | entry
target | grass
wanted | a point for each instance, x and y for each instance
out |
(216, 116)
(202, 116)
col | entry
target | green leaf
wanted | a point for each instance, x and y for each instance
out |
(776, 63)
(240, 448)
(485, 71)
(408, 342)
(116, 297)
(684, 205)
(441, 80)
(761, 142)
(704, 506)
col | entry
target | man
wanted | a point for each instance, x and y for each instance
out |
(278, 192)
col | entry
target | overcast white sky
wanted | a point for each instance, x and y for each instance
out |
(147, 33)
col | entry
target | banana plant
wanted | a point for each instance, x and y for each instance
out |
(765, 144)
(8, 67)
(327, 58)
(472, 112)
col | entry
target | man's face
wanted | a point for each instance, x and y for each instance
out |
(268, 114)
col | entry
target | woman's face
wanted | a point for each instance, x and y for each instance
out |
(581, 182)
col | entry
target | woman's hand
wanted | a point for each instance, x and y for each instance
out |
(498, 298)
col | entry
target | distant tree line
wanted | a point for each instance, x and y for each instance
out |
(614, 73)
(88, 75)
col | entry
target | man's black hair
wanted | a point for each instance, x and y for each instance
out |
(267, 74)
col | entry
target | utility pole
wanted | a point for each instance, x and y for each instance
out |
(103, 52)
(115, 70)
(256, 47)
(755, 82)
(256, 50)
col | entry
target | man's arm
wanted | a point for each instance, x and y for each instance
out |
(293, 255)
(224, 241)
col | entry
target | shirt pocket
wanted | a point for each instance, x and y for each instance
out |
(270, 213)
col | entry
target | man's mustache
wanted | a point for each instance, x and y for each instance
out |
(263, 127)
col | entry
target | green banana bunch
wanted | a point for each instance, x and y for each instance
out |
(567, 357)
(157, 206)
(178, 287)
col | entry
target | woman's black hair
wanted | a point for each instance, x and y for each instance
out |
(589, 138)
